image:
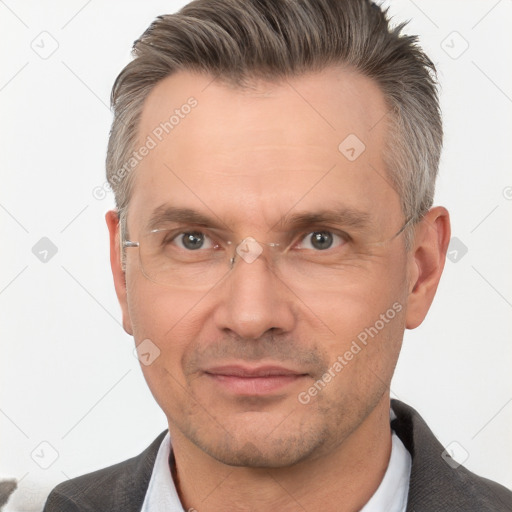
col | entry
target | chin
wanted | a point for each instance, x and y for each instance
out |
(262, 446)
(259, 455)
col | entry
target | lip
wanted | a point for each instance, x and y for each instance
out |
(246, 371)
(253, 381)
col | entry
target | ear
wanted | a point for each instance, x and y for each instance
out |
(112, 219)
(426, 263)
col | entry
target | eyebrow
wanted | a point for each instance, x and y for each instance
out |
(347, 217)
(165, 214)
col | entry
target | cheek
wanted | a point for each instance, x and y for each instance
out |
(366, 319)
(171, 319)
(362, 358)
(156, 310)
(168, 320)
(153, 312)
(359, 302)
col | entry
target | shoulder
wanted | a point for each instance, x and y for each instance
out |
(437, 481)
(120, 487)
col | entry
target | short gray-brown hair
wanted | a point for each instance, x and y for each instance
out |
(241, 40)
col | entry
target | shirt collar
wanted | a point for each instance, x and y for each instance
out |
(161, 493)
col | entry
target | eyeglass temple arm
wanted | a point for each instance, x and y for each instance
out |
(402, 229)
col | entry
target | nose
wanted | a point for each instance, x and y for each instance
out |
(254, 300)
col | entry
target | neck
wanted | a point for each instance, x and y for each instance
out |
(342, 480)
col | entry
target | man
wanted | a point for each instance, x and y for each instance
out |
(274, 166)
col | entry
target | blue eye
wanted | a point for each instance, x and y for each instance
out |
(321, 240)
(193, 241)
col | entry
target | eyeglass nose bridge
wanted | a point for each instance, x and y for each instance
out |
(249, 250)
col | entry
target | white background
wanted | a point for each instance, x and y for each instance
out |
(68, 374)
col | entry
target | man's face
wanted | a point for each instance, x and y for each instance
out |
(239, 354)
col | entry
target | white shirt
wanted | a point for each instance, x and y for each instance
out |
(391, 495)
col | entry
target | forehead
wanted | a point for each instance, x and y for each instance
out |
(251, 155)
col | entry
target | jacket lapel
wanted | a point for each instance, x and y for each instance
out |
(437, 481)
